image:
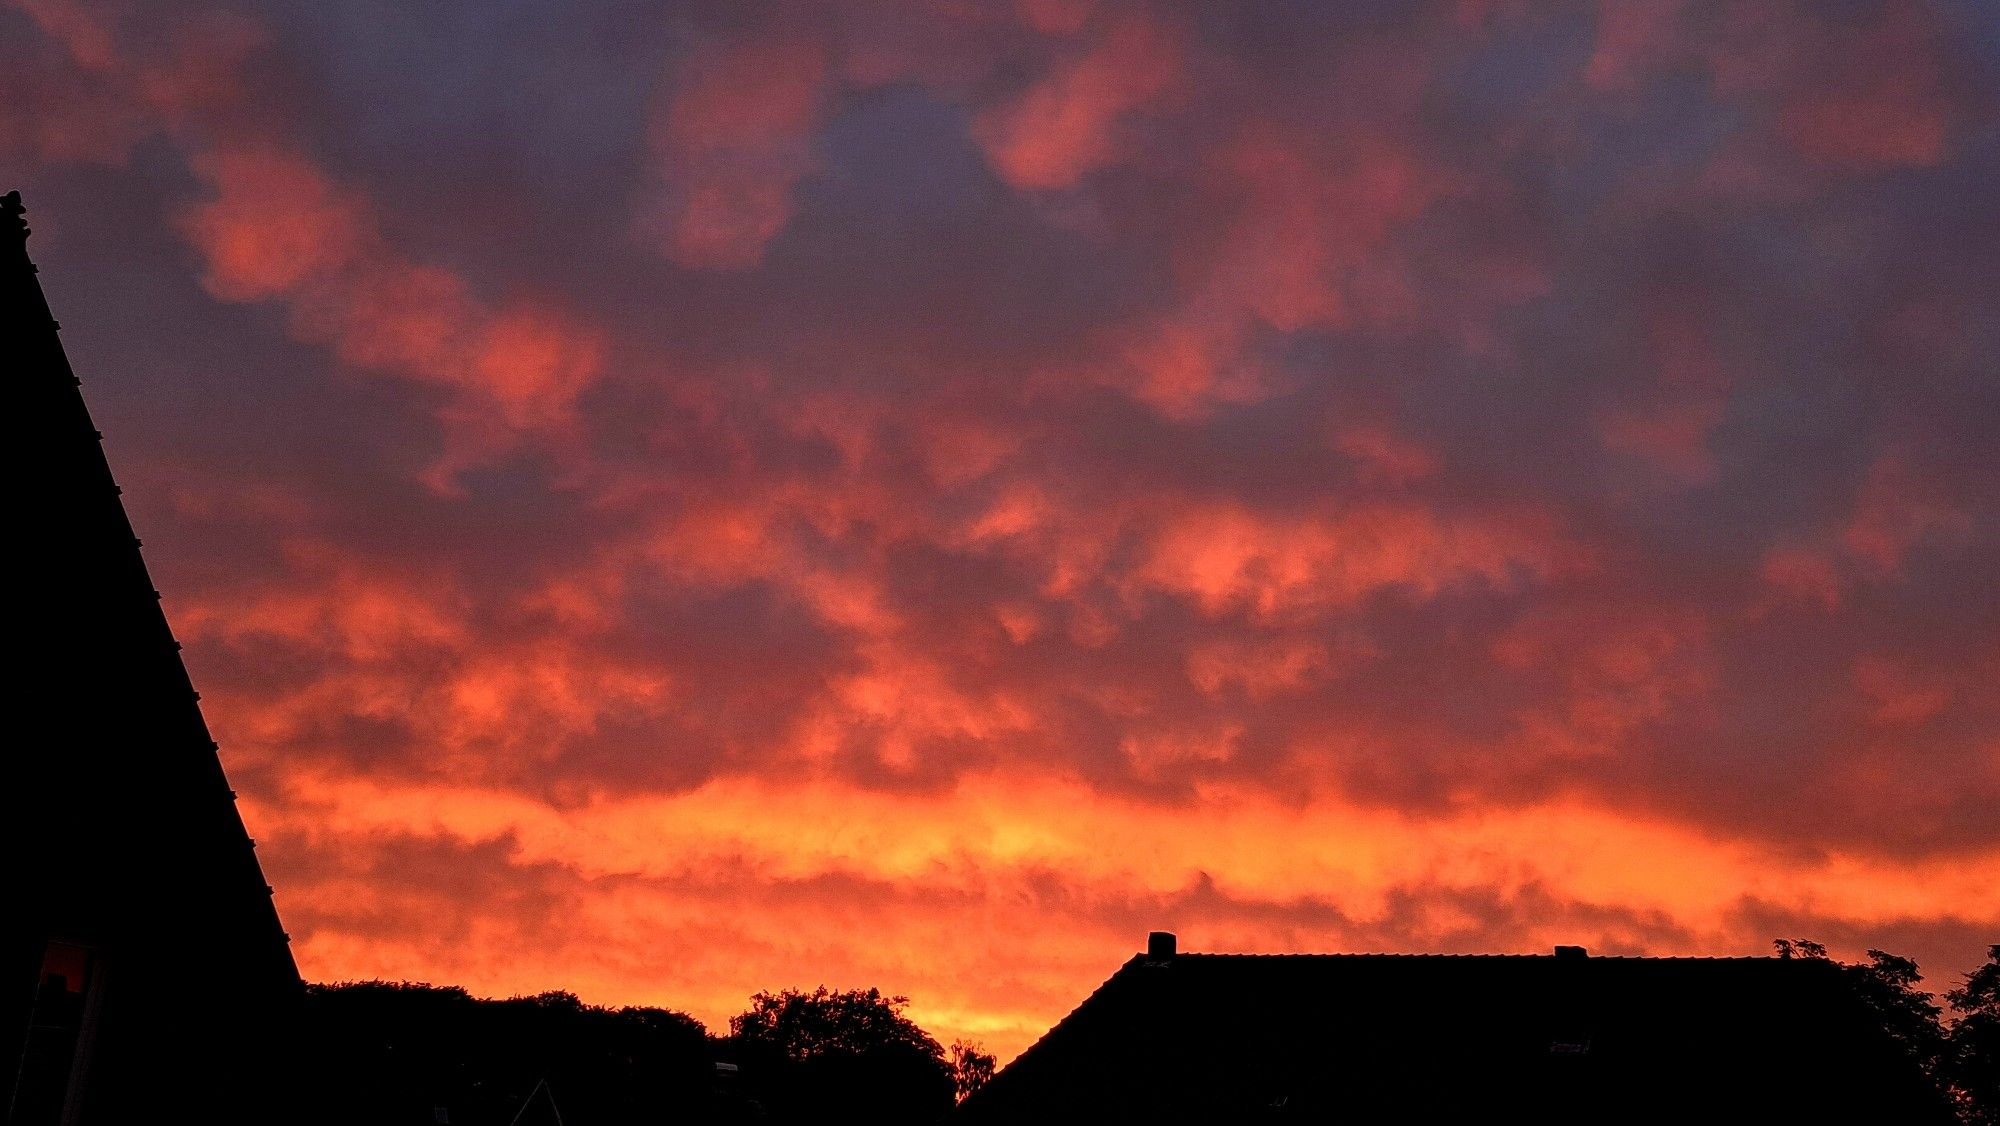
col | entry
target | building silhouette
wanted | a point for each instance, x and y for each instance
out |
(147, 977)
(1381, 1038)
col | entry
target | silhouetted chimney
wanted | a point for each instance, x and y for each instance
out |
(1571, 952)
(1160, 946)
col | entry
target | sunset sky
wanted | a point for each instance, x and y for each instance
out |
(673, 500)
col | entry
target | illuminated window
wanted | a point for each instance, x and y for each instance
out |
(49, 1057)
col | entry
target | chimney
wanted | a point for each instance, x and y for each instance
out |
(1160, 946)
(1572, 953)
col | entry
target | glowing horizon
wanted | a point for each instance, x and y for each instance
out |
(679, 504)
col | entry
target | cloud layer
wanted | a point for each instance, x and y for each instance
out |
(673, 500)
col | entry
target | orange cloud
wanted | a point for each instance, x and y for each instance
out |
(1262, 670)
(277, 229)
(1304, 247)
(957, 860)
(1226, 558)
(1385, 455)
(1051, 470)
(275, 225)
(1896, 512)
(1899, 698)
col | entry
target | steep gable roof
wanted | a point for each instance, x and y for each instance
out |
(137, 895)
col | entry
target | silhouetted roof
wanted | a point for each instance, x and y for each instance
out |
(130, 849)
(1399, 1037)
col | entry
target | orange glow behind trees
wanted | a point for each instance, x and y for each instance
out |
(916, 496)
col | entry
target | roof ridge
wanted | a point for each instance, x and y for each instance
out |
(1491, 956)
(1071, 1015)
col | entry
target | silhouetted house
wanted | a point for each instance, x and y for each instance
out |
(147, 978)
(1444, 1038)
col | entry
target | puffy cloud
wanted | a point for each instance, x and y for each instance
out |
(1064, 125)
(823, 879)
(917, 495)
(732, 139)
(1225, 559)
(277, 229)
(1882, 104)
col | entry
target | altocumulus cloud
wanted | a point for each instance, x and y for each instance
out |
(669, 500)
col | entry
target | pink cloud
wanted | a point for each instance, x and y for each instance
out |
(278, 229)
(730, 141)
(1203, 499)
(1899, 697)
(1896, 512)
(1881, 103)
(1065, 125)
(1225, 559)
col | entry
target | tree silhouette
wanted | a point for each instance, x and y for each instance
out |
(1973, 1054)
(843, 1056)
(970, 1067)
(1891, 986)
(1964, 1060)
(805, 1026)
(398, 1052)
